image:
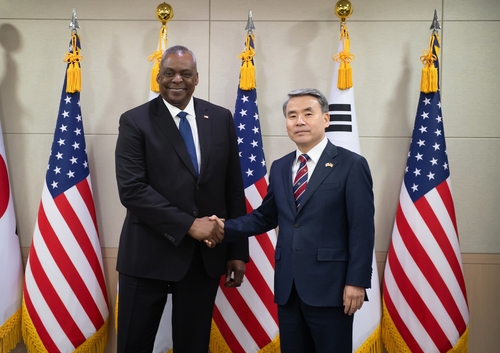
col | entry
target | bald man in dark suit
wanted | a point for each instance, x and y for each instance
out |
(169, 182)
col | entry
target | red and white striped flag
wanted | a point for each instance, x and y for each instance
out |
(424, 299)
(11, 266)
(245, 319)
(343, 131)
(65, 303)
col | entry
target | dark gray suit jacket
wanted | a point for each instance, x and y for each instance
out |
(158, 186)
(328, 242)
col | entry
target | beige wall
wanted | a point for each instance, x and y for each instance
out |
(294, 42)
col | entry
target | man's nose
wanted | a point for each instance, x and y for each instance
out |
(177, 77)
(299, 121)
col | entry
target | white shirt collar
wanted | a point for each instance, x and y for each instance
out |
(174, 110)
(315, 152)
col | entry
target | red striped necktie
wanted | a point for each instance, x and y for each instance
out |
(300, 182)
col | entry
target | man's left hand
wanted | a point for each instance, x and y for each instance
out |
(353, 299)
(234, 274)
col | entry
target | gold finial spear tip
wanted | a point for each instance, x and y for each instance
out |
(164, 13)
(343, 9)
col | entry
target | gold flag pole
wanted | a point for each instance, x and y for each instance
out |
(343, 9)
(164, 13)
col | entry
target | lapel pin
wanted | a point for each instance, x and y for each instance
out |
(330, 165)
(205, 116)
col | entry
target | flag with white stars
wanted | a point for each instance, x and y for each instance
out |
(65, 296)
(247, 317)
(246, 119)
(68, 164)
(424, 298)
(427, 164)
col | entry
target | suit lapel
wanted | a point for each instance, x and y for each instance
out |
(323, 168)
(163, 119)
(204, 125)
(287, 182)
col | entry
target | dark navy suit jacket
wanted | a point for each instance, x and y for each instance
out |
(328, 242)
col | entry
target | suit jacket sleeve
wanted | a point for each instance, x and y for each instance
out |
(360, 221)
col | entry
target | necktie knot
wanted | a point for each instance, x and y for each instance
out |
(303, 158)
(182, 115)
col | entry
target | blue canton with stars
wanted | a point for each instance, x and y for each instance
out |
(427, 165)
(246, 119)
(68, 163)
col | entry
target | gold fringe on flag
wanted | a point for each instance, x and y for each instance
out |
(219, 345)
(10, 332)
(156, 57)
(429, 82)
(344, 58)
(247, 69)
(372, 344)
(30, 337)
(93, 344)
(394, 343)
(73, 73)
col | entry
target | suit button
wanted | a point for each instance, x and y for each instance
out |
(197, 187)
(195, 213)
(297, 225)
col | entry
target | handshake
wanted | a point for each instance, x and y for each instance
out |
(208, 229)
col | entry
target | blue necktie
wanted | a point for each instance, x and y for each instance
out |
(187, 135)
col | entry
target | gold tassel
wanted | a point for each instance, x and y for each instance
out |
(247, 69)
(344, 58)
(429, 81)
(10, 332)
(73, 73)
(156, 57)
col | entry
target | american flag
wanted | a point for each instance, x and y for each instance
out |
(65, 299)
(424, 297)
(247, 317)
(343, 131)
(11, 266)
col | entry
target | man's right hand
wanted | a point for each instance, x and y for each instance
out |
(203, 229)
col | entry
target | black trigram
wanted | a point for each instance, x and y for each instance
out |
(340, 118)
